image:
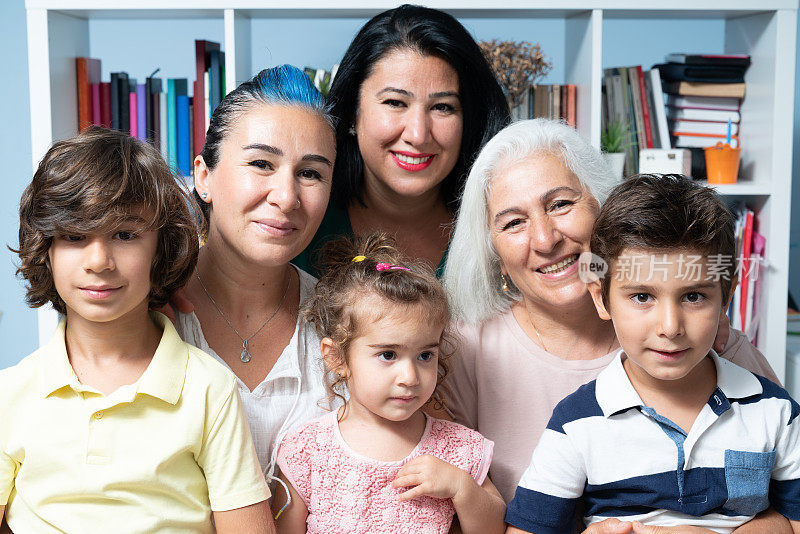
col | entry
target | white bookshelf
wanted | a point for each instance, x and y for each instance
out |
(59, 30)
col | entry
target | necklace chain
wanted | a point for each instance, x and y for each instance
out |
(245, 356)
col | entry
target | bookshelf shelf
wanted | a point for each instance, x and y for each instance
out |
(578, 33)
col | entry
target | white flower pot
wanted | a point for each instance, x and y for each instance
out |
(616, 160)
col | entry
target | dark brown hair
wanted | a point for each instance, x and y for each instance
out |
(664, 212)
(334, 309)
(94, 182)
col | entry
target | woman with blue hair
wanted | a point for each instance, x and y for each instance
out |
(262, 182)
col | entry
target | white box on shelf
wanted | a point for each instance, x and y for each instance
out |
(665, 161)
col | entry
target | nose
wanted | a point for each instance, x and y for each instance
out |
(670, 320)
(544, 234)
(99, 256)
(417, 126)
(408, 375)
(283, 192)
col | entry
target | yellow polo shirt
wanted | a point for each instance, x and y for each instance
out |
(154, 456)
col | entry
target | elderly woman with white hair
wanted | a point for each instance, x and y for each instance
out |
(530, 334)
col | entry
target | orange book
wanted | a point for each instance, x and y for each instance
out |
(88, 71)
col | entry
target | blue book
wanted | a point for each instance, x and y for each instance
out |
(172, 147)
(141, 112)
(183, 137)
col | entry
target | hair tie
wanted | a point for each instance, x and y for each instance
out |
(359, 258)
(387, 267)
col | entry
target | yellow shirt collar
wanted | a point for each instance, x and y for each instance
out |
(163, 378)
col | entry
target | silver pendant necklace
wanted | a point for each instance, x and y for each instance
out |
(245, 355)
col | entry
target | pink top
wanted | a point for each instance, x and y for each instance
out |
(347, 492)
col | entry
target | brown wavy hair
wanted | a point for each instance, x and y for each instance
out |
(664, 212)
(334, 308)
(93, 182)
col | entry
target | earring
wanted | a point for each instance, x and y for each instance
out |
(298, 202)
(352, 130)
(504, 287)
(204, 196)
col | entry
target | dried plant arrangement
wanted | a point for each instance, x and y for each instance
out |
(516, 64)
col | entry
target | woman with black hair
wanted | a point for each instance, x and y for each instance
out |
(415, 100)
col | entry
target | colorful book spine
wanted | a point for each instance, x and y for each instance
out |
(183, 147)
(141, 112)
(133, 117)
(172, 147)
(105, 104)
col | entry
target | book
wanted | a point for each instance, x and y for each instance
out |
(695, 140)
(741, 60)
(216, 61)
(114, 100)
(704, 102)
(152, 89)
(133, 117)
(141, 112)
(88, 73)
(202, 49)
(696, 114)
(175, 87)
(163, 131)
(660, 110)
(701, 73)
(571, 105)
(96, 106)
(182, 136)
(733, 90)
(744, 272)
(648, 134)
(124, 103)
(105, 104)
(689, 127)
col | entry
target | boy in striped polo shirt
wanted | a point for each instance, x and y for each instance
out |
(669, 434)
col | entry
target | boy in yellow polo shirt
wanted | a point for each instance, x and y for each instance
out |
(116, 425)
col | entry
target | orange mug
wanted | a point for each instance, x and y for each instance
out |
(722, 163)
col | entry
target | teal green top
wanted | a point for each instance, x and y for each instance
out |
(336, 223)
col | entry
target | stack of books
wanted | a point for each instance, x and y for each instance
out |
(632, 96)
(704, 93)
(543, 101)
(162, 113)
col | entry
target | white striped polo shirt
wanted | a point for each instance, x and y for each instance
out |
(605, 447)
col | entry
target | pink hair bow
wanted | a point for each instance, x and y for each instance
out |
(387, 267)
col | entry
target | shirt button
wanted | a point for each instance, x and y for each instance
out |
(98, 415)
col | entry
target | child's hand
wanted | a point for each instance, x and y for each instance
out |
(432, 477)
(610, 526)
(639, 528)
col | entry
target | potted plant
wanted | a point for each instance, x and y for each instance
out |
(614, 139)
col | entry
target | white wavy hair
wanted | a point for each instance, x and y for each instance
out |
(472, 273)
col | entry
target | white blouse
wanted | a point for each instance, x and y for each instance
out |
(292, 393)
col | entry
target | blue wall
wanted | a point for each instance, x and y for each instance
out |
(18, 323)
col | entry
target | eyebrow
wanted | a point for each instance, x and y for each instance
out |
(278, 152)
(266, 148)
(318, 158)
(543, 198)
(645, 288)
(439, 94)
(398, 346)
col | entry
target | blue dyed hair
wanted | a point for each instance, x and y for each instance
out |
(283, 85)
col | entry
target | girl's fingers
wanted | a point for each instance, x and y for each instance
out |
(413, 493)
(407, 480)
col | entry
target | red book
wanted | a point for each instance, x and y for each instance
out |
(96, 104)
(105, 104)
(747, 242)
(643, 91)
(88, 71)
(202, 49)
(572, 115)
(134, 113)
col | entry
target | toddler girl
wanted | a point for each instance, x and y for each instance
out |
(379, 464)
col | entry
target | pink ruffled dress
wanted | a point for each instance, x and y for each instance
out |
(347, 492)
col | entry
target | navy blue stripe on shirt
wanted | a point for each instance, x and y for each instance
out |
(773, 391)
(578, 405)
(782, 496)
(705, 492)
(554, 515)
